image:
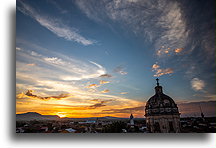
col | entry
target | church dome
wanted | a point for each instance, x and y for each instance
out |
(160, 104)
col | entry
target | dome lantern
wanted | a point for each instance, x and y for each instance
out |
(158, 88)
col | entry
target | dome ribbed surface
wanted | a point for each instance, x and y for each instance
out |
(160, 104)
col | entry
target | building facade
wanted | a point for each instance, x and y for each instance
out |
(161, 112)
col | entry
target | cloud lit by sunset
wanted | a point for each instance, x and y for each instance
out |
(102, 60)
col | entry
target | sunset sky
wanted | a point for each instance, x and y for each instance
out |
(93, 58)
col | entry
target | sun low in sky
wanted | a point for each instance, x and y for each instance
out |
(90, 58)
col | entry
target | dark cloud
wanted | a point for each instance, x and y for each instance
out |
(106, 76)
(99, 103)
(97, 100)
(30, 94)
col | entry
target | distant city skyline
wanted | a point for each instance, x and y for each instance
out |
(94, 58)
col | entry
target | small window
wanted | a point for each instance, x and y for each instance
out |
(157, 127)
(171, 126)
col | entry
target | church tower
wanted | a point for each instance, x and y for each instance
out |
(161, 112)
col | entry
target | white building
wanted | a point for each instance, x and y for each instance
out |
(131, 120)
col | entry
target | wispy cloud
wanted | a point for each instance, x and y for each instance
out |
(99, 104)
(61, 10)
(164, 52)
(178, 50)
(55, 75)
(197, 84)
(33, 53)
(92, 86)
(171, 24)
(57, 66)
(155, 66)
(31, 64)
(101, 82)
(159, 71)
(105, 91)
(160, 21)
(120, 70)
(55, 60)
(104, 82)
(54, 25)
(18, 48)
(123, 93)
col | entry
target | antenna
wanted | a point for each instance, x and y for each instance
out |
(202, 115)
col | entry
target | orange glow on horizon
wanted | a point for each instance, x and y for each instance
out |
(79, 106)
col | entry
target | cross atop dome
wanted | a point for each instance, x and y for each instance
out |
(158, 88)
(157, 81)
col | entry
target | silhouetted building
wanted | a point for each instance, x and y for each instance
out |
(161, 112)
(131, 120)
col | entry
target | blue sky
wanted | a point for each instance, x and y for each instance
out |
(115, 49)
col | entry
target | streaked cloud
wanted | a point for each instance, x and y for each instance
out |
(97, 105)
(92, 86)
(155, 66)
(105, 91)
(81, 104)
(98, 65)
(104, 82)
(197, 84)
(29, 94)
(163, 52)
(101, 103)
(123, 93)
(160, 21)
(18, 48)
(159, 71)
(54, 25)
(33, 53)
(55, 60)
(62, 67)
(106, 75)
(171, 27)
(166, 23)
(31, 64)
(59, 8)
